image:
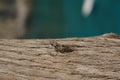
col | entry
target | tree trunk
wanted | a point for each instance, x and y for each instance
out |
(94, 58)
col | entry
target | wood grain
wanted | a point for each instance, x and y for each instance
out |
(94, 58)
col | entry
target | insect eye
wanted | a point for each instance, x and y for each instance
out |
(54, 43)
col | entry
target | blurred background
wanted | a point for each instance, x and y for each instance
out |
(58, 18)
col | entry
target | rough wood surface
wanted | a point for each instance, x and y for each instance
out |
(94, 58)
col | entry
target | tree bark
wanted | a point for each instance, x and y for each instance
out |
(93, 58)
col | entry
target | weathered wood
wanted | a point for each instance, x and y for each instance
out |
(94, 58)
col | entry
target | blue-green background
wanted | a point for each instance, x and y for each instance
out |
(63, 18)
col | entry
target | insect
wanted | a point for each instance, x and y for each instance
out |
(61, 48)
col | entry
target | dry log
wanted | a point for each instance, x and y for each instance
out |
(93, 58)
